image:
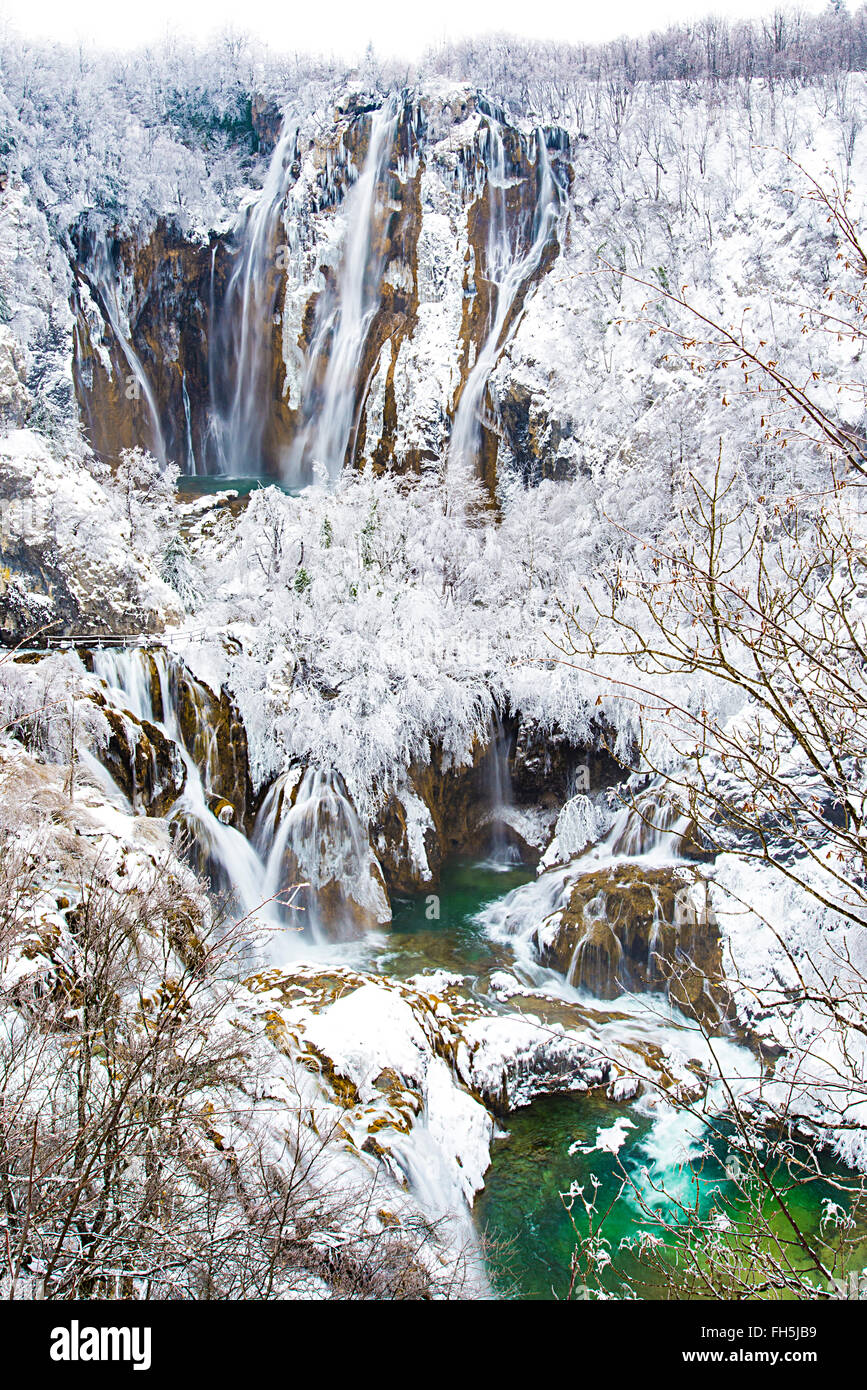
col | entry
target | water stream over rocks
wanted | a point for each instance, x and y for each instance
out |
(537, 1017)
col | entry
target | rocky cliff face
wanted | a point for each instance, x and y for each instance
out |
(142, 322)
(394, 245)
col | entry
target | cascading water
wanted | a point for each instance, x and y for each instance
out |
(308, 833)
(192, 468)
(239, 361)
(597, 962)
(503, 852)
(308, 870)
(652, 827)
(508, 270)
(103, 277)
(344, 315)
(609, 955)
(128, 674)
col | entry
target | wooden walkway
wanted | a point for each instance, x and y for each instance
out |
(73, 641)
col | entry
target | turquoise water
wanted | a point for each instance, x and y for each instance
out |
(453, 940)
(549, 1145)
(205, 485)
(531, 1237)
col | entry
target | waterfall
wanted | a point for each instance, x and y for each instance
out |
(240, 354)
(499, 788)
(649, 832)
(508, 270)
(188, 429)
(597, 964)
(129, 675)
(308, 832)
(654, 948)
(343, 317)
(309, 868)
(103, 275)
(652, 827)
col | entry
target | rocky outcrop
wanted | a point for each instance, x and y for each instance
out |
(406, 843)
(534, 440)
(52, 579)
(547, 767)
(214, 736)
(266, 118)
(144, 763)
(631, 926)
(142, 306)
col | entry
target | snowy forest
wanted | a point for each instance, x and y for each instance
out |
(433, 751)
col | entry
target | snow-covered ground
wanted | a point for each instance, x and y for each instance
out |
(360, 626)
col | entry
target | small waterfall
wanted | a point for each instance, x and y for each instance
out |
(508, 270)
(309, 868)
(103, 276)
(612, 942)
(307, 832)
(597, 961)
(240, 355)
(655, 973)
(146, 686)
(188, 429)
(499, 788)
(344, 316)
(653, 826)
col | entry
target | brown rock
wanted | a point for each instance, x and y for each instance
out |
(632, 927)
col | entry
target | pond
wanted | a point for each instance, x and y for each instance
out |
(561, 1141)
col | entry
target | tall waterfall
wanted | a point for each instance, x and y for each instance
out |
(344, 315)
(240, 356)
(509, 269)
(103, 275)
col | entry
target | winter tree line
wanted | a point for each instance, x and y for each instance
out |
(74, 120)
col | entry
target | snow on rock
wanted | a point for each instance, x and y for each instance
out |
(72, 552)
(776, 956)
(372, 1032)
(516, 1057)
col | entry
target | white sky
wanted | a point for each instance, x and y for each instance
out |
(344, 27)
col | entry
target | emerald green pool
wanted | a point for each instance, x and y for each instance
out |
(453, 940)
(551, 1144)
(522, 1215)
(208, 485)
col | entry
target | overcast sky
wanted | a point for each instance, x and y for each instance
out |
(345, 27)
